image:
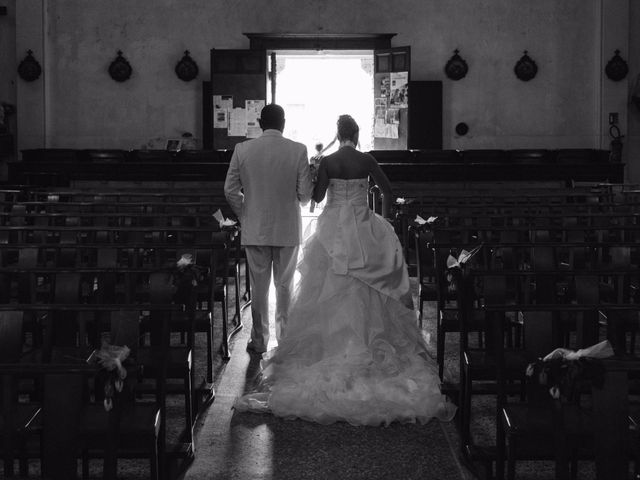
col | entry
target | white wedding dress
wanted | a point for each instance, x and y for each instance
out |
(351, 350)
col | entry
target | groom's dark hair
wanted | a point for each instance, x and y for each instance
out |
(272, 117)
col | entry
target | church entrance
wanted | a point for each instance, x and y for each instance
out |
(314, 88)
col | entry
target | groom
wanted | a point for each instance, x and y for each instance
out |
(267, 180)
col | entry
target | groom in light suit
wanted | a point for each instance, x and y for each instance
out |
(268, 179)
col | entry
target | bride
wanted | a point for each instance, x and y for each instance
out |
(351, 350)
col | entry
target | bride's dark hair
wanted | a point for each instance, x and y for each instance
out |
(347, 128)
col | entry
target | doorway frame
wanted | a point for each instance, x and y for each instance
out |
(319, 41)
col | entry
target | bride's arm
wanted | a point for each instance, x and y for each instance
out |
(383, 184)
(322, 182)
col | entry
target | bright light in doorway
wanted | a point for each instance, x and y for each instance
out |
(314, 89)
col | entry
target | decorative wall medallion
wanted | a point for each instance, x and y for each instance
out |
(187, 68)
(456, 68)
(120, 69)
(526, 68)
(616, 68)
(462, 129)
(29, 68)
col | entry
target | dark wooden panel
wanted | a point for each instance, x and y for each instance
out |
(207, 116)
(425, 115)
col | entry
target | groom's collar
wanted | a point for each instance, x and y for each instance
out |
(272, 132)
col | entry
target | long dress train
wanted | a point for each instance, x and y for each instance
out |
(351, 350)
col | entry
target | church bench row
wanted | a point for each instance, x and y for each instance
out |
(543, 319)
(545, 249)
(26, 257)
(64, 417)
(124, 263)
(65, 167)
(537, 156)
(418, 198)
(211, 194)
(523, 235)
(133, 246)
(177, 235)
(418, 192)
(433, 249)
(194, 208)
(20, 217)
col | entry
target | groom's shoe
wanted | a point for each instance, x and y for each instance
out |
(251, 348)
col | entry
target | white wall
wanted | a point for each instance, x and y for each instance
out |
(561, 107)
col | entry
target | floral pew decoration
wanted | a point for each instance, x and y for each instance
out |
(564, 371)
(113, 362)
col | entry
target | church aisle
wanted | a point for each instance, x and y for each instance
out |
(249, 446)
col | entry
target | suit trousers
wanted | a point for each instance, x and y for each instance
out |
(262, 261)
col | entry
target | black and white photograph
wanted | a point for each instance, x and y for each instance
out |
(320, 240)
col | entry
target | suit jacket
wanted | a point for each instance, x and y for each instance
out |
(267, 180)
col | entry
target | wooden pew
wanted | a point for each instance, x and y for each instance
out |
(539, 333)
(64, 419)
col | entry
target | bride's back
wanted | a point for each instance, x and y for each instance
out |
(348, 163)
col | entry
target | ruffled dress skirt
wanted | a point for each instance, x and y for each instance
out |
(351, 349)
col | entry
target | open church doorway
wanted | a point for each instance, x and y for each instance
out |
(314, 88)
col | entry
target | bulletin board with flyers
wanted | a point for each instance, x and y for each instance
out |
(391, 97)
(236, 94)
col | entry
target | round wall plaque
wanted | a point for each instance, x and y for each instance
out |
(526, 68)
(187, 68)
(616, 68)
(456, 68)
(462, 129)
(120, 69)
(29, 68)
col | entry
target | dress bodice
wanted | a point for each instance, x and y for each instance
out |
(343, 191)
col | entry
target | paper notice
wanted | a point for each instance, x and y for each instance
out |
(220, 118)
(399, 96)
(223, 101)
(237, 123)
(253, 107)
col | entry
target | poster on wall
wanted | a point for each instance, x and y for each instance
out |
(399, 95)
(221, 106)
(254, 107)
(384, 86)
(393, 97)
(237, 123)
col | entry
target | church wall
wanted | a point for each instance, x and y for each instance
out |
(560, 108)
(631, 143)
(8, 59)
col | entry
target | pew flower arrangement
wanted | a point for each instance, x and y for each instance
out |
(564, 370)
(112, 360)
(186, 276)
